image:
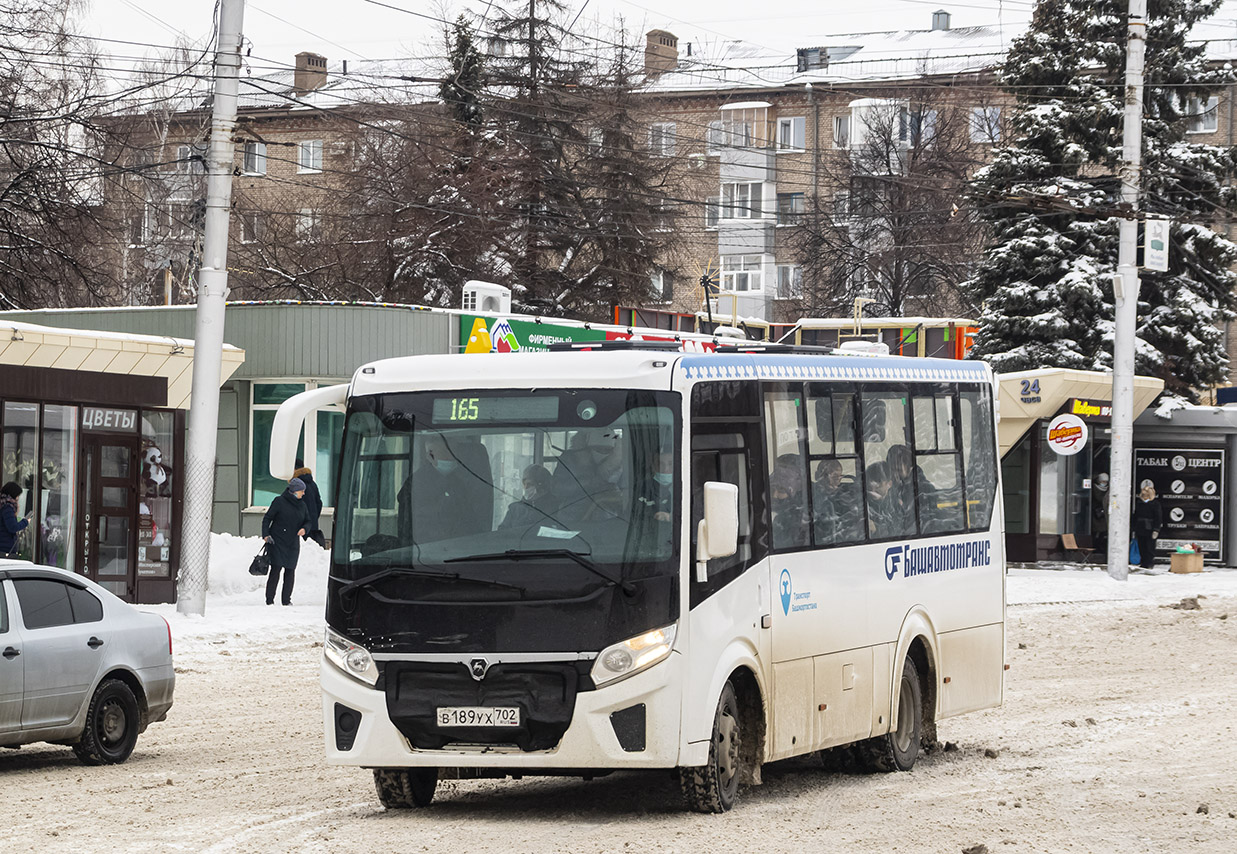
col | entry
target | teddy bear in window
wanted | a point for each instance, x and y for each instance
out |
(155, 475)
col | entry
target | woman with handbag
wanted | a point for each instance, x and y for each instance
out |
(282, 528)
(10, 524)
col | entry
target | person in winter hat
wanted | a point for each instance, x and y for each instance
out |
(313, 502)
(10, 524)
(1148, 520)
(282, 527)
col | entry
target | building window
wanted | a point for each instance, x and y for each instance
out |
(662, 286)
(985, 125)
(712, 211)
(308, 224)
(741, 201)
(661, 139)
(662, 215)
(254, 159)
(841, 204)
(251, 227)
(790, 208)
(713, 138)
(789, 281)
(309, 156)
(917, 125)
(596, 140)
(742, 273)
(790, 134)
(1201, 116)
(318, 447)
(841, 131)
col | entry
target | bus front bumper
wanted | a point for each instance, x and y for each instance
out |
(633, 723)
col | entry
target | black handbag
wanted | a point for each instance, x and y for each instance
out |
(261, 564)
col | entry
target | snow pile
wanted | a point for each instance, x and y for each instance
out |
(1077, 584)
(228, 575)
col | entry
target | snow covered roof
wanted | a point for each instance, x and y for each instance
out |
(381, 81)
(38, 346)
(854, 57)
(870, 57)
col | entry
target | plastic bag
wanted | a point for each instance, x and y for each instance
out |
(1135, 557)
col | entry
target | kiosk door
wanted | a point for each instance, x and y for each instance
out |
(109, 512)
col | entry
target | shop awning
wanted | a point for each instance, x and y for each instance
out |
(33, 346)
(1027, 396)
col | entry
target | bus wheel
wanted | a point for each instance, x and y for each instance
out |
(714, 787)
(402, 788)
(898, 750)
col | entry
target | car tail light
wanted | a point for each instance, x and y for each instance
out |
(169, 625)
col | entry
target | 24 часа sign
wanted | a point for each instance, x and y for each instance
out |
(1190, 488)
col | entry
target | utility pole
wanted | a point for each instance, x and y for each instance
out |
(1125, 294)
(199, 469)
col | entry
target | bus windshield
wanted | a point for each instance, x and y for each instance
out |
(497, 484)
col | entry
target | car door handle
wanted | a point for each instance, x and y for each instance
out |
(94, 643)
(9, 652)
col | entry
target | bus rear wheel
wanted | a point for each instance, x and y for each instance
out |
(714, 787)
(898, 750)
(403, 788)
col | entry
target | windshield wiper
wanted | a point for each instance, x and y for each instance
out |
(366, 581)
(535, 554)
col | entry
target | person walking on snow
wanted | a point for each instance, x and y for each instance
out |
(313, 503)
(1148, 520)
(283, 526)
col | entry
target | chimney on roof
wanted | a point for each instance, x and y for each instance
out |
(940, 20)
(661, 52)
(310, 72)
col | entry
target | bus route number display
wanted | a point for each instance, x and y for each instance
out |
(487, 410)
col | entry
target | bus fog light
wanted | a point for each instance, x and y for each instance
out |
(633, 655)
(349, 657)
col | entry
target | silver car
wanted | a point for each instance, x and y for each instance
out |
(77, 665)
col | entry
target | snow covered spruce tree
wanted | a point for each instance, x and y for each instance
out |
(1050, 195)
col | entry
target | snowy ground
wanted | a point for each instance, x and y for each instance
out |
(1117, 735)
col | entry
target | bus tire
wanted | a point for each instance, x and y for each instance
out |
(404, 788)
(898, 750)
(713, 788)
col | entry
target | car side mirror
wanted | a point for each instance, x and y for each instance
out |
(718, 532)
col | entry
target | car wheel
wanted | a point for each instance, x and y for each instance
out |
(898, 750)
(112, 723)
(402, 788)
(714, 787)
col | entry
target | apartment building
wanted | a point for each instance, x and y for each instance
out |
(771, 143)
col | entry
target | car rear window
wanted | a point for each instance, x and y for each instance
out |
(86, 608)
(44, 603)
(4, 611)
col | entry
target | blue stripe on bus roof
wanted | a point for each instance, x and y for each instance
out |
(799, 367)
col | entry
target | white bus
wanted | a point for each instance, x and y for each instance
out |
(578, 562)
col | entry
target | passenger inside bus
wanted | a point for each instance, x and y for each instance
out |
(790, 521)
(902, 491)
(450, 494)
(838, 516)
(538, 503)
(588, 476)
(881, 511)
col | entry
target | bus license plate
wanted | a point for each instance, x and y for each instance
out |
(478, 716)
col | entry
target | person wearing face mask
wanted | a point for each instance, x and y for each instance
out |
(450, 494)
(658, 489)
(536, 507)
(589, 474)
(1148, 520)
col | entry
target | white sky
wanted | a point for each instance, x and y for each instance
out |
(345, 29)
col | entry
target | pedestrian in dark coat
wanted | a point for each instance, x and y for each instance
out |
(282, 527)
(313, 502)
(10, 523)
(1148, 520)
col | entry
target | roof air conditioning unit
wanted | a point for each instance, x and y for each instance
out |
(487, 298)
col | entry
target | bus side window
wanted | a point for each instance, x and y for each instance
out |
(889, 463)
(938, 469)
(726, 446)
(978, 457)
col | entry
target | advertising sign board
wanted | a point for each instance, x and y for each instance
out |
(1190, 488)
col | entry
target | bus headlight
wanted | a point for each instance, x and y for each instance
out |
(632, 655)
(349, 657)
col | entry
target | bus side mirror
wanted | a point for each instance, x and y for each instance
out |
(718, 533)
